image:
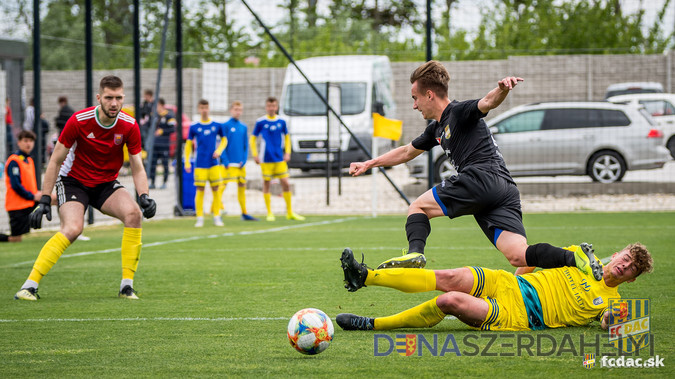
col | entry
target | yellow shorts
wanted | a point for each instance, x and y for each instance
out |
(501, 292)
(233, 174)
(274, 170)
(212, 175)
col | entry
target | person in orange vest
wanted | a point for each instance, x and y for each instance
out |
(21, 186)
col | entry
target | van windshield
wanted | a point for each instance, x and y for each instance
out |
(300, 99)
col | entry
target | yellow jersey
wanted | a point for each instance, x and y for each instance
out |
(569, 297)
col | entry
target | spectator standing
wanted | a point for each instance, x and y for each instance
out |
(65, 111)
(166, 126)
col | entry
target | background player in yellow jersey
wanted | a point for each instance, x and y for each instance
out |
(496, 299)
(276, 149)
(207, 167)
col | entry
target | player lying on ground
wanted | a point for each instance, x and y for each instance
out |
(496, 299)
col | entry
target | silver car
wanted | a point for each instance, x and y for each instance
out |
(598, 139)
(662, 108)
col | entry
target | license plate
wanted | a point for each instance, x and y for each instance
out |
(318, 157)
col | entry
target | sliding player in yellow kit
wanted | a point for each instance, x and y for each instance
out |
(495, 299)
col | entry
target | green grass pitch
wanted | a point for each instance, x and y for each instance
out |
(216, 301)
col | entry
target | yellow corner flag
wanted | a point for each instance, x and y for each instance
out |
(387, 128)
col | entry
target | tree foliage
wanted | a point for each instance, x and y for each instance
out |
(539, 27)
(390, 27)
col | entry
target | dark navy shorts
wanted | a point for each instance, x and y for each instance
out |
(493, 201)
(19, 221)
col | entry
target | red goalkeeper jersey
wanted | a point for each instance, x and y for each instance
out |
(96, 150)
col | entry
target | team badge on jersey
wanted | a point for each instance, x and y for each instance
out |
(629, 324)
(119, 138)
(446, 133)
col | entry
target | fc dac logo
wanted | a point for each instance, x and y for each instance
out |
(629, 324)
(589, 360)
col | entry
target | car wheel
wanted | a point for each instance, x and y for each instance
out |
(443, 169)
(606, 167)
(671, 147)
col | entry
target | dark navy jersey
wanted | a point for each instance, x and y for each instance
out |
(465, 139)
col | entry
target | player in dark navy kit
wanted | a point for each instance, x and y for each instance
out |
(483, 186)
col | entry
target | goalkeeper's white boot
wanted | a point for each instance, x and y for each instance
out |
(28, 293)
(128, 293)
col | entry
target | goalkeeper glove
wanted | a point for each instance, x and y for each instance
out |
(44, 207)
(148, 206)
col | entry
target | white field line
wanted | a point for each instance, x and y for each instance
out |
(187, 239)
(147, 319)
(135, 319)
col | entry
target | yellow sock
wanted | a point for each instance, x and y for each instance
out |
(268, 202)
(403, 279)
(50, 253)
(221, 191)
(241, 196)
(131, 251)
(199, 203)
(287, 198)
(424, 315)
(216, 206)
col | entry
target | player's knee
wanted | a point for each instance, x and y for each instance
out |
(516, 258)
(415, 207)
(133, 218)
(72, 230)
(449, 303)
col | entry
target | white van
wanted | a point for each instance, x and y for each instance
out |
(365, 83)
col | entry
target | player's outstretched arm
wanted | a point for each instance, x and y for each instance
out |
(394, 157)
(497, 95)
(138, 173)
(148, 205)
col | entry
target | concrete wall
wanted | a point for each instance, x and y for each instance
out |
(554, 77)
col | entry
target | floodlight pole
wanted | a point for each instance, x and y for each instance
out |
(137, 62)
(154, 118)
(179, 106)
(430, 158)
(37, 121)
(89, 63)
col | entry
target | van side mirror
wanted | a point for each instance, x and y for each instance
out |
(494, 130)
(378, 107)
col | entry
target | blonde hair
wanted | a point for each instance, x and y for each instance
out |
(641, 257)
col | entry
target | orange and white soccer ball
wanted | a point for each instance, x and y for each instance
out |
(310, 331)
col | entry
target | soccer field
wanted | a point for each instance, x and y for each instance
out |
(216, 301)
